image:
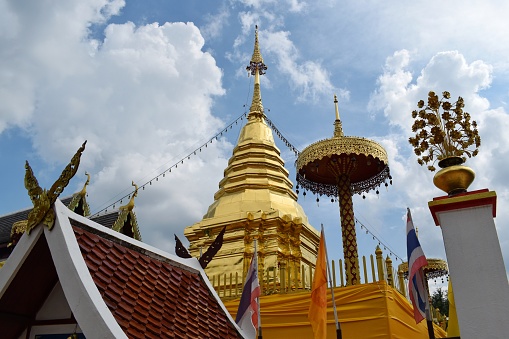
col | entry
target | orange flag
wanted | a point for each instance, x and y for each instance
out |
(318, 308)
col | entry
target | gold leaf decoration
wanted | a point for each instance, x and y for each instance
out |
(443, 130)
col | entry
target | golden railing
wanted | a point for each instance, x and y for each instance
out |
(280, 280)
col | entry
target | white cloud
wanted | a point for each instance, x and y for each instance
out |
(297, 6)
(36, 42)
(394, 84)
(214, 23)
(309, 78)
(398, 92)
(142, 98)
(290, 5)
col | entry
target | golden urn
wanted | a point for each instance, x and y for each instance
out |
(453, 178)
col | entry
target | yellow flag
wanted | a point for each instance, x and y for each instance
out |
(318, 308)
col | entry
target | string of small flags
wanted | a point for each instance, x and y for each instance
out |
(280, 136)
(174, 166)
(380, 243)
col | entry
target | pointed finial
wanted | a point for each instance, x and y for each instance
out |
(79, 203)
(257, 56)
(126, 222)
(338, 127)
(256, 67)
(130, 205)
(83, 191)
(336, 104)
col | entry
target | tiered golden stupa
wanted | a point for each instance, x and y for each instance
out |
(255, 201)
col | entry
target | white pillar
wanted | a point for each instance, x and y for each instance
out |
(476, 266)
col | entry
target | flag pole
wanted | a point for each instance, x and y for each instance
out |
(258, 299)
(429, 318)
(338, 325)
(414, 251)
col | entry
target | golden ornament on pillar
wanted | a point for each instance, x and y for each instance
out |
(454, 177)
(444, 132)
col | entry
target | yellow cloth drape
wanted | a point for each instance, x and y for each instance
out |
(453, 329)
(373, 310)
(317, 314)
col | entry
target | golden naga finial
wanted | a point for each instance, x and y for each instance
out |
(31, 184)
(130, 205)
(83, 191)
(17, 230)
(256, 67)
(44, 199)
(338, 126)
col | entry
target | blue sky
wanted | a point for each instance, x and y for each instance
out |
(147, 82)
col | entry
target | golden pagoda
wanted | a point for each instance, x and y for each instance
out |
(255, 201)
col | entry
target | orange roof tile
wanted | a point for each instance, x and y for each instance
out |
(152, 297)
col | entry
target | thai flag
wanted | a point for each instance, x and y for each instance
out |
(247, 314)
(416, 261)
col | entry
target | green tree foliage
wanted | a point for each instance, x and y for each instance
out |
(439, 301)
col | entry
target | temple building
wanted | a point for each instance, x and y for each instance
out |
(81, 279)
(255, 200)
(72, 275)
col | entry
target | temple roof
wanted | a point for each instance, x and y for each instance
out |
(7, 221)
(122, 220)
(114, 285)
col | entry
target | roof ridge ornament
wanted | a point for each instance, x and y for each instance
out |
(256, 67)
(79, 203)
(44, 199)
(83, 191)
(130, 205)
(127, 222)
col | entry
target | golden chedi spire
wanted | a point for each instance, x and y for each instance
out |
(256, 67)
(255, 200)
